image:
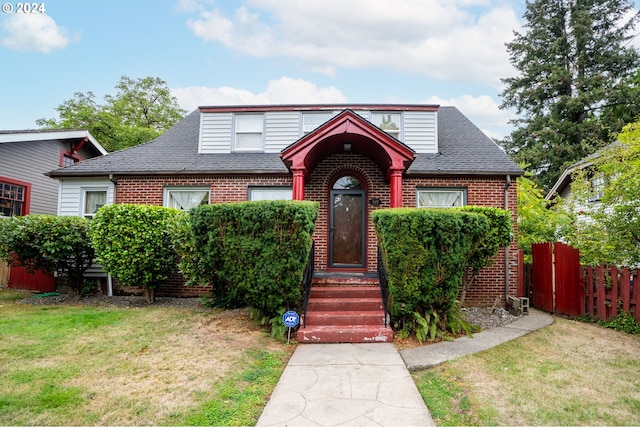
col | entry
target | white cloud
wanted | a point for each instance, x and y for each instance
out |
(32, 32)
(452, 41)
(483, 111)
(285, 90)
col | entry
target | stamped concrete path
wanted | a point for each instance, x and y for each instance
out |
(346, 384)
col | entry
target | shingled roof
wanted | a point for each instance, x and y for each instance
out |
(463, 150)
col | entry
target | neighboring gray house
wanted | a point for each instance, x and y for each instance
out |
(25, 157)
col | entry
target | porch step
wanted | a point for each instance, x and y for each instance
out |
(344, 313)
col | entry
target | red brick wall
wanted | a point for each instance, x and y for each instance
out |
(484, 191)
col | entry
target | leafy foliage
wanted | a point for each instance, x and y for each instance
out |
(133, 243)
(425, 252)
(141, 110)
(499, 236)
(538, 220)
(577, 82)
(609, 231)
(56, 244)
(254, 252)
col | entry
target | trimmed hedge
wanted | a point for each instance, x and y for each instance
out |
(133, 244)
(254, 252)
(55, 244)
(425, 252)
(499, 236)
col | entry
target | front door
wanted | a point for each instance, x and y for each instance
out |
(347, 224)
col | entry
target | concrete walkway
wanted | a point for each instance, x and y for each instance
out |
(434, 354)
(370, 384)
(346, 384)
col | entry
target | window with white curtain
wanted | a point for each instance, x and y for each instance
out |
(186, 198)
(248, 132)
(270, 193)
(93, 199)
(440, 198)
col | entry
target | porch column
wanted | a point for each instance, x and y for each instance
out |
(298, 184)
(396, 188)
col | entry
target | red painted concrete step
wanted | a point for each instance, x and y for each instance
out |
(345, 313)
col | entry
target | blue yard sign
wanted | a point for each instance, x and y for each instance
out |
(290, 319)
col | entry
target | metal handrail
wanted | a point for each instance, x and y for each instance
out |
(384, 284)
(306, 282)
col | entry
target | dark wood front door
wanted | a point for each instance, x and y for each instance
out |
(347, 229)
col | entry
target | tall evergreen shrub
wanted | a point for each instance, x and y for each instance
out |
(425, 252)
(255, 251)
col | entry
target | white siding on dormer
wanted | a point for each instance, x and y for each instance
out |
(216, 130)
(70, 193)
(421, 131)
(281, 129)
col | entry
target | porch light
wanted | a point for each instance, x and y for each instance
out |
(375, 202)
(346, 147)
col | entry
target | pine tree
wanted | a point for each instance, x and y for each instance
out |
(576, 68)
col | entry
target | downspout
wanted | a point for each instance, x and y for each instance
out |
(506, 249)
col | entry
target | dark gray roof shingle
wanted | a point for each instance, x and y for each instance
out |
(463, 149)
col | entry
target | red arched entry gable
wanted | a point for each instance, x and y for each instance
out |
(348, 132)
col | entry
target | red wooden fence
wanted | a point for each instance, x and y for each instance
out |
(561, 285)
(607, 287)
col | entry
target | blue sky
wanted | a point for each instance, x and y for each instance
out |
(448, 52)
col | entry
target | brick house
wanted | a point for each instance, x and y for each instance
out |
(352, 159)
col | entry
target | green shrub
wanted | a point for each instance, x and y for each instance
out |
(425, 252)
(55, 244)
(254, 252)
(133, 244)
(499, 236)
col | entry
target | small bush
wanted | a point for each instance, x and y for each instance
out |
(134, 245)
(54, 244)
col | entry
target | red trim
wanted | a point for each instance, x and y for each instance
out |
(27, 192)
(64, 154)
(318, 107)
(348, 127)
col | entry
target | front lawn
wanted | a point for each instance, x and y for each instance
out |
(91, 365)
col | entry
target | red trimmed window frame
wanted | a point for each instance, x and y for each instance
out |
(70, 155)
(27, 192)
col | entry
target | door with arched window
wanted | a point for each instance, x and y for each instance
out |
(347, 223)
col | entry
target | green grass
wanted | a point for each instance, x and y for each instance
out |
(82, 365)
(569, 373)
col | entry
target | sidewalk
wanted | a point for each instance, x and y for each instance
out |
(346, 384)
(370, 384)
(434, 354)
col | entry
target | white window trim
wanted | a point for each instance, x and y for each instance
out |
(83, 202)
(168, 190)
(461, 191)
(236, 132)
(396, 134)
(282, 189)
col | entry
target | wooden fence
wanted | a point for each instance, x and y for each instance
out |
(4, 274)
(557, 283)
(609, 289)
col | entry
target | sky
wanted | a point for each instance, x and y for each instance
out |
(236, 52)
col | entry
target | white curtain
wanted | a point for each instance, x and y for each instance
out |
(94, 199)
(186, 200)
(440, 199)
(271, 194)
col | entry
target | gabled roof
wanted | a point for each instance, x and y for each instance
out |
(565, 179)
(463, 149)
(13, 136)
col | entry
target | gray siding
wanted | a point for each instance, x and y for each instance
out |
(282, 128)
(216, 130)
(28, 161)
(420, 131)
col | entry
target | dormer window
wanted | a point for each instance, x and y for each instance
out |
(312, 121)
(388, 122)
(248, 132)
